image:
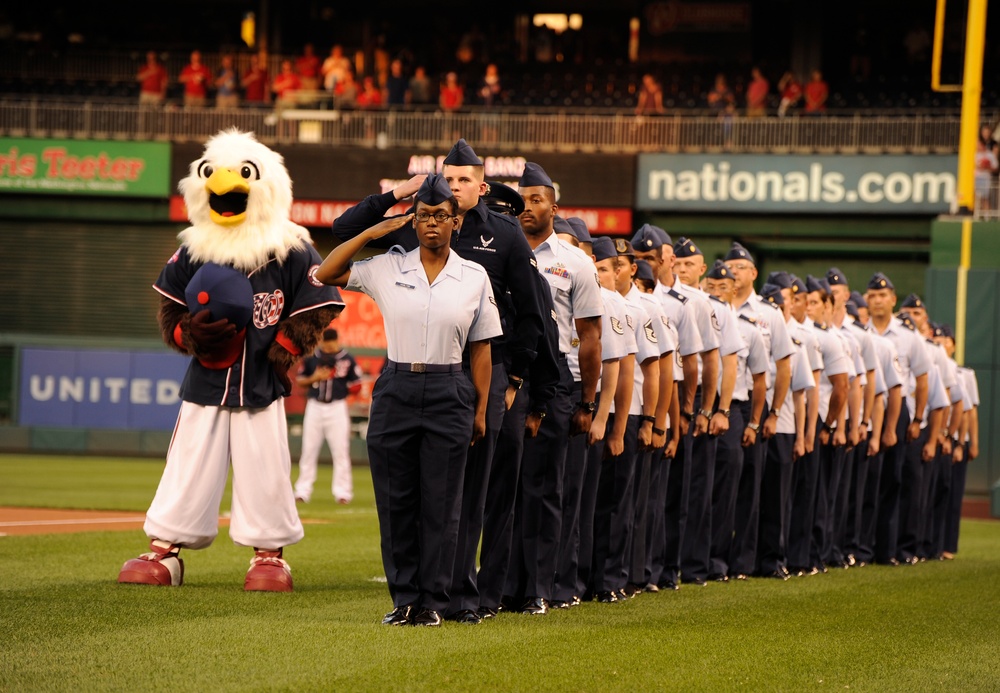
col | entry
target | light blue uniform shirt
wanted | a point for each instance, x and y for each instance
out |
(428, 323)
(572, 280)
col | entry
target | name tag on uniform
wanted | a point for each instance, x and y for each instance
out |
(405, 286)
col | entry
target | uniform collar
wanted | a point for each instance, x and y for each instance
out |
(552, 242)
(751, 301)
(480, 210)
(452, 268)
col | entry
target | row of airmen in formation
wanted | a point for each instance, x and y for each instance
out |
(641, 423)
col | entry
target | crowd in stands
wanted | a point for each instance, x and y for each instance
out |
(228, 80)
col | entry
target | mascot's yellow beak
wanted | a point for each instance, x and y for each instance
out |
(227, 197)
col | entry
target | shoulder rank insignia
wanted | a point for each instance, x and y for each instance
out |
(616, 325)
(648, 329)
(749, 319)
(676, 294)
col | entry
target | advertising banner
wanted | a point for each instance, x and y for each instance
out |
(76, 388)
(903, 184)
(82, 167)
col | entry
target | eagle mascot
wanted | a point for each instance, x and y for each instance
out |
(241, 298)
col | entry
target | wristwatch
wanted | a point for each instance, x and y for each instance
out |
(515, 382)
(663, 432)
(689, 415)
(539, 414)
(648, 419)
(775, 411)
(706, 413)
(828, 428)
(589, 407)
(724, 412)
(753, 426)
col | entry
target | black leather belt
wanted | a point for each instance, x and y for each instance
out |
(423, 367)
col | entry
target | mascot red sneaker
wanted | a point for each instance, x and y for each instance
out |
(240, 297)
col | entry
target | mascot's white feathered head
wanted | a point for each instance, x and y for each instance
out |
(239, 198)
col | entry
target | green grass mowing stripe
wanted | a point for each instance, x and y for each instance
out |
(67, 626)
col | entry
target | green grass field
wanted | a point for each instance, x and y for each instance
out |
(65, 624)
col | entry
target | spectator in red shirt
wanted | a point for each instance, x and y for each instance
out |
(757, 95)
(152, 80)
(816, 93)
(791, 93)
(649, 100)
(195, 77)
(307, 66)
(255, 82)
(286, 85)
(452, 95)
(370, 95)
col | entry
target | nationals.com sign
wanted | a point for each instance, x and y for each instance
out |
(906, 184)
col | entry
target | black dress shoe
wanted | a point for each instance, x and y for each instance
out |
(669, 585)
(777, 574)
(575, 601)
(534, 606)
(486, 612)
(559, 604)
(427, 617)
(467, 616)
(698, 582)
(652, 588)
(890, 561)
(718, 578)
(623, 595)
(607, 597)
(740, 576)
(911, 560)
(633, 590)
(400, 616)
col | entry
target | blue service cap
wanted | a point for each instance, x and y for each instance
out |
(852, 309)
(534, 175)
(738, 252)
(434, 190)
(664, 236)
(718, 270)
(817, 284)
(462, 155)
(582, 232)
(906, 319)
(503, 199)
(912, 301)
(646, 239)
(781, 279)
(797, 286)
(859, 300)
(944, 330)
(623, 247)
(685, 248)
(643, 270)
(880, 281)
(560, 225)
(604, 248)
(835, 276)
(772, 294)
(224, 291)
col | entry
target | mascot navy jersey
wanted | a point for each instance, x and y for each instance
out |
(279, 292)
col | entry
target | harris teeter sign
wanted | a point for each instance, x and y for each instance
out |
(85, 167)
(904, 184)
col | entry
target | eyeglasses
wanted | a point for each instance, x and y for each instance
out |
(439, 217)
(739, 267)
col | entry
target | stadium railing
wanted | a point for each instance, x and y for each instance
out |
(564, 130)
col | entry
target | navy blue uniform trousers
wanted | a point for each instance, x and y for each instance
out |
(418, 442)
(538, 514)
(464, 591)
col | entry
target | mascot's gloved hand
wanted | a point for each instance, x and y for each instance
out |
(208, 336)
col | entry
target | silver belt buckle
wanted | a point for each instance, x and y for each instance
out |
(418, 368)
